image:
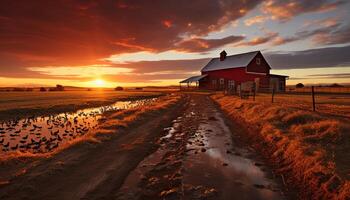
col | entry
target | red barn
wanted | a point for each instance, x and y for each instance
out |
(232, 73)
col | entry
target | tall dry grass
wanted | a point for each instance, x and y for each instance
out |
(312, 150)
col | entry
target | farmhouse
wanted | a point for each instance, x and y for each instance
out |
(237, 72)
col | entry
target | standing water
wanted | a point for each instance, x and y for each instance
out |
(215, 163)
(44, 134)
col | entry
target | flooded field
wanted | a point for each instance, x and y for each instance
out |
(44, 134)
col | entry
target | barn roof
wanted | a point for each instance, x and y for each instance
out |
(234, 61)
(193, 79)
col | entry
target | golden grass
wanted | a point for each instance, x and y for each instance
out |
(345, 89)
(333, 104)
(304, 145)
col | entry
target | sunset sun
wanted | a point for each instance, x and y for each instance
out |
(99, 83)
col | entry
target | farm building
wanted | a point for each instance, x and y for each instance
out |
(237, 72)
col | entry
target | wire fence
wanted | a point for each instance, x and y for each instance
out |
(333, 101)
(320, 89)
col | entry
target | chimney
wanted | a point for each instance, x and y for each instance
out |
(223, 55)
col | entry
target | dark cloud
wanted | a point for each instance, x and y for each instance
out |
(337, 33)
(317, 31)
(287, 9)
(313, 58)
(81, 31)
(337, 36)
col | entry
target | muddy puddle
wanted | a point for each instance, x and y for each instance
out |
(44, 134)
(215, 163)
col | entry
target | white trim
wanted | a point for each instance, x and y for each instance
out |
(255, 72)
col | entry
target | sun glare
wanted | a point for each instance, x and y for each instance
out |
(99, 83)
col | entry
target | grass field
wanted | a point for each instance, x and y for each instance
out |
(312, 146)
(333, 104)
(307, 89)
(22, 104)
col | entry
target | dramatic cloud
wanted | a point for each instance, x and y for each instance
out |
(330, 32)
(255, 20)
(199, 45)
(337, 36)
(259, 40)
(79, 32)
(286, 9)
(313, 58)
(284, 40)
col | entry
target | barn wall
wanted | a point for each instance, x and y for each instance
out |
(278, 83)
(239, 75)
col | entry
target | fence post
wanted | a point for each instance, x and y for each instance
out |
(254, 95)
(240, 91)
(313, 98)
(273, 94)
(254, 90)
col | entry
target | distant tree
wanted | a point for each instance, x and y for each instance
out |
(59, 88)
(118, 88)
(299, 85)
(89, 89)
(42, 89)
(19, 89)
(336, 85)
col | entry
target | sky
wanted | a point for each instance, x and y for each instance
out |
(95, 43)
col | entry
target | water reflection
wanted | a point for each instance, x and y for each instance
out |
(44, 134)
(215, 162)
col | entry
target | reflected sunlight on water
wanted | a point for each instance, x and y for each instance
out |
(43, 134)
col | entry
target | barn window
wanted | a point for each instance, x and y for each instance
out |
(258, 61)
(231, 84)
(213, 82)
(222, 81)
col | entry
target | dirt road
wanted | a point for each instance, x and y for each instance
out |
(196, 157)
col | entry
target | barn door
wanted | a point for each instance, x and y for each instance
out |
(257, 81)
